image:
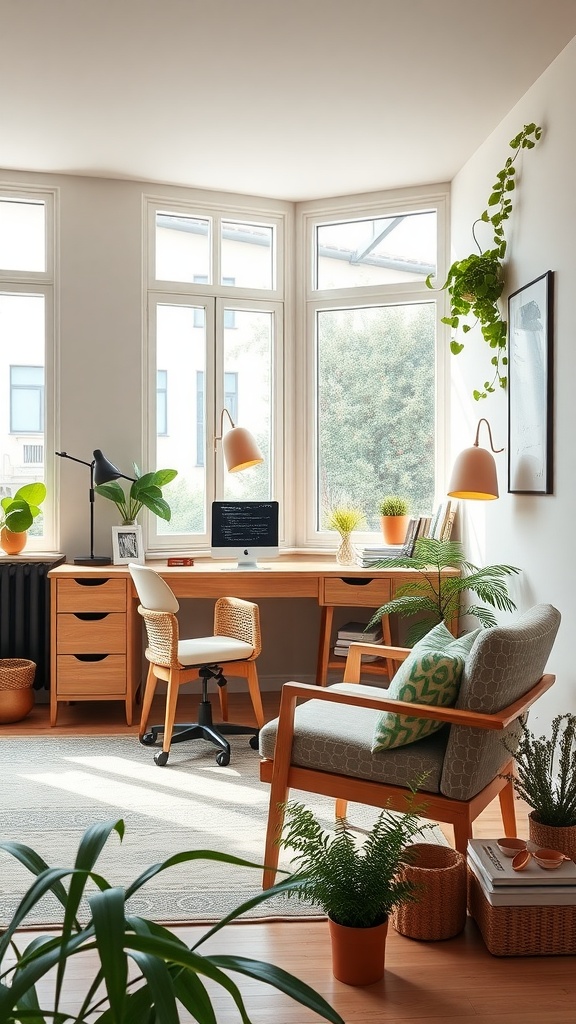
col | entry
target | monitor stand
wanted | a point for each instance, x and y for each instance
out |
(247, 563)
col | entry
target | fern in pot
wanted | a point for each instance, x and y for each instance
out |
(356, 885)
(546, 779)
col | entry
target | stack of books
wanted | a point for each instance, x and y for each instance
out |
(356, 632)
(502, 886)
(368, 554)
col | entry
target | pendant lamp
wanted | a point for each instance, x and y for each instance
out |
(474, 472)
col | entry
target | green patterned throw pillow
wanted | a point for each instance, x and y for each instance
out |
(426, 677)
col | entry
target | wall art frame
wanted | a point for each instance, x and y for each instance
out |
(531, 387)
(127, 545)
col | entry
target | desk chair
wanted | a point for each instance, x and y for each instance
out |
(233, 647)
(325, 745)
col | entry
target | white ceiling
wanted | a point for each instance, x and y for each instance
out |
(287, 98)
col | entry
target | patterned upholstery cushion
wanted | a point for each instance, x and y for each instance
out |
(504, 663)
(338, 738)
(429, 675)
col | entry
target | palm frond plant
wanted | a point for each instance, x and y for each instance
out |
(356, 884)
(169, 977)
(436, 598)
(546, 771)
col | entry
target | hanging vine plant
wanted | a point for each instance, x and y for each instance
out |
(475, 283)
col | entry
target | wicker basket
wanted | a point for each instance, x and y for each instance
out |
(522, 931)
(440, 912)
(16, 673)
(553, 837)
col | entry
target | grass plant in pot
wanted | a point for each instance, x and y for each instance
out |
(135, 971)
(394, 518)
(344, 519)
(356, 884)
(546, 779)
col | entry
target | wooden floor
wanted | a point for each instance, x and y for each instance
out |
(425, 982)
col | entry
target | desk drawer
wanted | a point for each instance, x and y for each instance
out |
(87, 678)
(359, 592)
(101, 634)
(91, 595)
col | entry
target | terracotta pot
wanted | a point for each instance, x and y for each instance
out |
(12, 543)
(394, 528)
(358, 953)
(553, 837)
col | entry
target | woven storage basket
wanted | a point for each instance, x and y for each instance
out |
(522, 931)
(16, 673)
(553, 837)
(440, 912)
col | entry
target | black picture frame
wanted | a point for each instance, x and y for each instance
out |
(530, 387)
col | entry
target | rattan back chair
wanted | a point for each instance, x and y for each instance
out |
(232, 649)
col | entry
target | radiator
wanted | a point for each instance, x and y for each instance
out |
(25, 614)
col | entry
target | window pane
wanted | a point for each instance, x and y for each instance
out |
(182, 248)
(181, 350)
(375, 407)
(22, 331)
(22, 235)
(247, 255)
(247, 383)
(383, 250)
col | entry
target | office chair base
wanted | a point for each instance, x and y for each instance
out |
(202, 729)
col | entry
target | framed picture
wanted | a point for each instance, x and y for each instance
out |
(127, 545)
(530, 387)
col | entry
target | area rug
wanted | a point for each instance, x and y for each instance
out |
(54, 787)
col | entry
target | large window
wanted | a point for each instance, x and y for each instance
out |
(26, 348)
(371, 359)
(216, 328)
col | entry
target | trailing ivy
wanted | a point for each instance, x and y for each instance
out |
(475, 283)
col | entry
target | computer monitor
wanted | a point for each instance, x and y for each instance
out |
(246, 531)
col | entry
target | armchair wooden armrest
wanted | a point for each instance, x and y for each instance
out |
(353, 664)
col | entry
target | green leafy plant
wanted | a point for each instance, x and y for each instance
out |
(475, 283)
(392, 505)
(355, 884)
(19, 512)
(344, 519)
(546, 771)
(145, 491)
(437, 599)
(169, 974)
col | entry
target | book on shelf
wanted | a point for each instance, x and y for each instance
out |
(342, 652)
(449, 519)
(410, 539)
(523, 895)
(357, 631)
(443, 520)
(497, 869)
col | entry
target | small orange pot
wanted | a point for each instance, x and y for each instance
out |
(394, 528)
(358, 953)
(12, 543)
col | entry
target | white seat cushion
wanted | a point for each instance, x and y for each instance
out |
(211, 650)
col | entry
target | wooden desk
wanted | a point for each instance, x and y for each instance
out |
(96, 630)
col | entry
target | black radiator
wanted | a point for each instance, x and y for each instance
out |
(25, 614)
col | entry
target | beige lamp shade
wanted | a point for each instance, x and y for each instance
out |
(474, 472)
(240, 450)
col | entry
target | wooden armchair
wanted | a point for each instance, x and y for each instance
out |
(325, 744)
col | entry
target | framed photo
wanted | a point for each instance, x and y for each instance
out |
(127, 545)
(530, 387)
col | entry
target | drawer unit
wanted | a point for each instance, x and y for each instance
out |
(94, 640)
(355, 592)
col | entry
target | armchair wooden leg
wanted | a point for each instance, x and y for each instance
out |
(341, 808)
(508, 810)
(149, 691)
(462, 833)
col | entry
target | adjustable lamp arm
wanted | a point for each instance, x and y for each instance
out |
(232, 424)
(476, 442)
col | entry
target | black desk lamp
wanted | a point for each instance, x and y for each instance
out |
(101, 472)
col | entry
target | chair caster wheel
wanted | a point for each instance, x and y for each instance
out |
(223, 758)
(254, 742)
(148, 739)
(161, 758)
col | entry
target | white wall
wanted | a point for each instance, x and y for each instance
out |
(531, 532)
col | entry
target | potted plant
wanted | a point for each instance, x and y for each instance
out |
(357, 886)
(17, 515)
(437, 599)
(546, 779)
(475, 283)
(168, 973)
(344, 519)
(146, 490)
(394, 518)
